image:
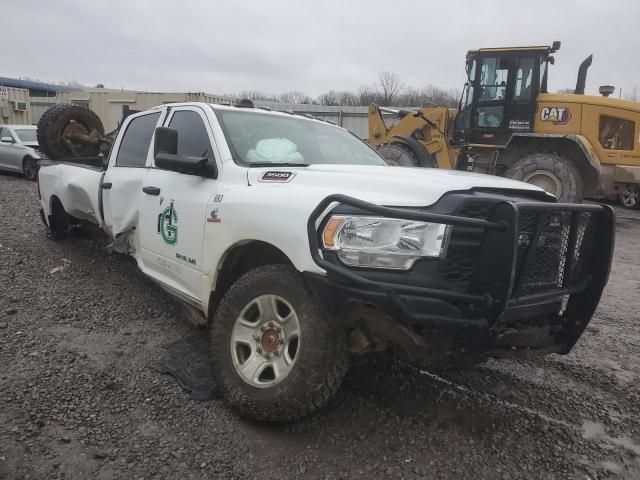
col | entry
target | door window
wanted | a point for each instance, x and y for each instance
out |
(524, 79)
(193, 139)
(493, 79)
(136, 141)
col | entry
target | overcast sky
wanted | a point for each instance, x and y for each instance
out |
(223, 46)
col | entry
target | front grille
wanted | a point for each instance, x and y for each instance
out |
(563, 248)
(464, 245)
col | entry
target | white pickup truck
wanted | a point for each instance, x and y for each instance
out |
(299, 244)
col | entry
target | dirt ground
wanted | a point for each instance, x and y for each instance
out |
(80, 331)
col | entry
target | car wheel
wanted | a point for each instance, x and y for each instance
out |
(629, 197)
(30, 167)
(277, 358)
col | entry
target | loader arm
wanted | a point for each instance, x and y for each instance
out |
(425, 129)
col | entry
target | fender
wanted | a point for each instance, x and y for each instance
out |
(425, 159)
(591, 161)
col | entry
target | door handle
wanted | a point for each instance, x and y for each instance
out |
(151, 190)
(106, 186)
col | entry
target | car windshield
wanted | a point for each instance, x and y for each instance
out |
(27, 135)
(259, 139)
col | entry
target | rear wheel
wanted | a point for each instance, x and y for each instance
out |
(399, 155)
(30, 168)
(630, 197)
(552, 172)
(275, 355)
(67, 130)
(59, 220)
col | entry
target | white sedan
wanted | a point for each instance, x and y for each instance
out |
(19, 150)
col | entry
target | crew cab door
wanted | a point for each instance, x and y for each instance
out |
(174, 210)
(121, 186)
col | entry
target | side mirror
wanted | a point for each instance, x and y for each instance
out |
(6, 140)
(165, 154)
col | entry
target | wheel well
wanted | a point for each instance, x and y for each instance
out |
(526, 145)
(238, 261)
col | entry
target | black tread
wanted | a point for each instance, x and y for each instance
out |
(52, 123)
(322, 360)
(25, 172)
(565, 169)
(398, 154)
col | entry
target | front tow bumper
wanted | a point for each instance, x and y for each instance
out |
(538, 273)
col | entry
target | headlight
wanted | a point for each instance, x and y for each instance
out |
(378, 242)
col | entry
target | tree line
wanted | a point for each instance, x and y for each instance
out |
(388, 91)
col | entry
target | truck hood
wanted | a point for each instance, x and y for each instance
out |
(396, 186)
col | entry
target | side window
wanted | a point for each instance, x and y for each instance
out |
(524, 79)
(616, 133)
(137, 141)
(193, 139)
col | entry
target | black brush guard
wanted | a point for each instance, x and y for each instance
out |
(532, 255)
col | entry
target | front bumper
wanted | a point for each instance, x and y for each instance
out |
(536, 280)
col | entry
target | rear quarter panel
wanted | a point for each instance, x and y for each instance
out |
(76, 187)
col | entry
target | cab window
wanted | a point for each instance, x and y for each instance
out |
(136, 141)
(524, 79)
(493, 79)
(193, 139)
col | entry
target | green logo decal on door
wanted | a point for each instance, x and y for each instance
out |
(168, 225)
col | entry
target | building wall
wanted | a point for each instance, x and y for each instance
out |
(355, 119)
(8, 113)
(108, 104)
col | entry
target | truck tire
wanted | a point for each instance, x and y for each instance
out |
(59, 220)
(60, 127)
(30, 168)
(275, 356)
(629, 197)
(398, 155)
(553, 172)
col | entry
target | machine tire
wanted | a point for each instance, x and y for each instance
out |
(629, 198)
(399, 155)
(552, 169)
(320, 359)
(30, 167)
(62, 119)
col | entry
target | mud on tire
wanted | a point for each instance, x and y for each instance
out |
(552, 169)
(58, 126)
(320, 358)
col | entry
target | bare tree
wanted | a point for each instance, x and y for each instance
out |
(294, 97)
(390, 86)
(633, 96)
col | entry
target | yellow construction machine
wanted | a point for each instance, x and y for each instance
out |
(507, 124)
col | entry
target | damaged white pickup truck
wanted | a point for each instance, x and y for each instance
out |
(299, 244)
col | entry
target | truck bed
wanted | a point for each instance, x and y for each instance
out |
(75, 185)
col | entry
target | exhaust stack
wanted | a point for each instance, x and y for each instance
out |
(582, 75)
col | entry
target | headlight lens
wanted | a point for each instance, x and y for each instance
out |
(378, 242)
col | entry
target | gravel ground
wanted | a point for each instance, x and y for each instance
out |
(80, 330)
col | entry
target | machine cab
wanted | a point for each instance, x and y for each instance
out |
(499, 97)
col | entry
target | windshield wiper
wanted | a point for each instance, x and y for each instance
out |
(276, 164)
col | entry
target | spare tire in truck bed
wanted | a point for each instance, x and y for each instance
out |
(67, 130)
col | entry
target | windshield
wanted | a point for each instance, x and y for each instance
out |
(26, 135)
(258, 139)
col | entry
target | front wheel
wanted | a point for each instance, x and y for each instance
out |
(629, 197)
(552, 172)
(276, 357)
